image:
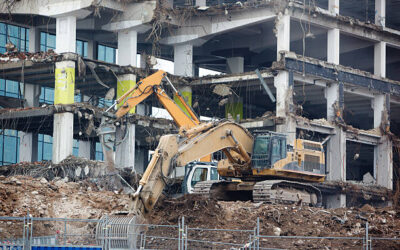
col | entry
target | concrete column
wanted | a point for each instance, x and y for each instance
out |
(333, 36)
(125, 151)
(380, 59)
(283, 83)
(127, 47)
(183, 66)
(332, 100)
(235, 65)
(28, 149)
(234, 107)
(333, 6)
(183, 60)
(333, 52)
(34, 39)
(380, 12)
(92, 50)
(63, 122)
(125, 83)
(383, 152)
(62, 136)
(336, 145)
(282, 34)
(66, 34)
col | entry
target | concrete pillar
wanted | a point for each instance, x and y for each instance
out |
(28, 149)
(66, 34)
(92, 49)
(125, 83)
(333, 6)
(380, 59)
(234, 107)
(63, 122)
(62, 136)
(127, 47)
(333, 36)
(125, 151)
(34, 39)
(336, 145)
(235, 65)
(282, 34)
(183, 60)
(383, 152)
(380, 12)
(283, 83)
(183, 66)
(332, 100)
(333, 52)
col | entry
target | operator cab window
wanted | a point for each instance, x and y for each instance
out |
(200, 174)
(214, 174)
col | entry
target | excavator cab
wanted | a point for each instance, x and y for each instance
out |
(269, 147)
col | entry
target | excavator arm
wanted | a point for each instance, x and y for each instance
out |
(152, 85)
(177, 150)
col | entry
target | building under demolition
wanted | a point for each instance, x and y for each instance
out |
(322, 70)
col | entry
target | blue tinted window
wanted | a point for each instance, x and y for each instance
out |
(75, 148)
(47, 41)
(45, 147)
(105, 53)
(46, 95)
(99, 152)
(9, 147)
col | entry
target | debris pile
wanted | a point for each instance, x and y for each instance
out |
(280, 220)
(60, 198)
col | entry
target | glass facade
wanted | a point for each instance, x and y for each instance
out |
(9, 139)
(106, 53)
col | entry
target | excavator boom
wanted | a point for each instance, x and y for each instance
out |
(175, 151)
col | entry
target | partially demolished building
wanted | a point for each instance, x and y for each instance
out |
(325, 70)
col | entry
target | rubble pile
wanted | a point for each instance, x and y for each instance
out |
(61, 198)
(280, 220)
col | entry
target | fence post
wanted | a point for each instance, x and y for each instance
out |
(366, 236)
(186, 238)
(24, 230)
(31, 232)
(65, 232)
(183, 232)
(179, 234)
(258, 233)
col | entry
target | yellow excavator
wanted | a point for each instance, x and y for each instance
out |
(260, 166)
(184, 116)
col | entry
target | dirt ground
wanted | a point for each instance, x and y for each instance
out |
(61, 199)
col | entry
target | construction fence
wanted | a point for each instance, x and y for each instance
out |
(121, 232)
